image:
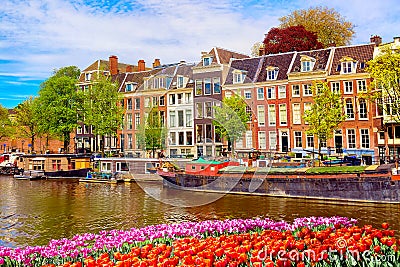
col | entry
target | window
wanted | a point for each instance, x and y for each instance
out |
(348, 87)
(208, 109)
(271, 115)
(199, 133)
(335, 86)
(88, 76)
(188, 98)
(189, 118)
(172, 138)
(137, 120)
(310, 140)
(162, 100)
(364, 138)
(282, 91)
(79, 129)
(129, 103)
(180, 98)
(249, 113)
(207, 86)
(180, 118)
(129, 87)
(137, 103)
(189, 139)
(271, 93)
(180, 83)
(261, 115)
(38, 164)
(282, 114)
(297, 139)
(307, 107)
(181, 138)
(249, 139)
(129, 121)
(209, 133)
(361, 86)
(199, 87)
(348, 67)
(216, 85)
(56, 164)
(306, 66)
(351, 138)
(247, 94)
(295, 90)
(147, 102)
(155, 101)
(260, 93)
(296, 113)
(199, 110)
(349, 109)
(307, 90)
(272, 74)
(262, 142)
(172, 120)
(272, 140)
(130, 144)
(239, 76)
(207, 61)
(362, 109)
(172, 99)
(86, 129)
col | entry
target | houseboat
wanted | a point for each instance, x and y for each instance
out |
(101, 177)
(374, 183)
(9, 164)
(57, 165)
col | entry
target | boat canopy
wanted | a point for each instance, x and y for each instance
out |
(204, 161)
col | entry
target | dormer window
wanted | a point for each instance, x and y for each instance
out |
(180, 82)
(207, 61)
(129, 87)
(88, 76)
(239, 76)
(307, 63)
(347, 65)
(272, 73)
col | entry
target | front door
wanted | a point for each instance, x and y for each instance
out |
(285, 142)
(339, 144)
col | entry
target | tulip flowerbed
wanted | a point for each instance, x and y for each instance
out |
(313, 241)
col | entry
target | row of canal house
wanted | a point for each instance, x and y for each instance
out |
(275, 87)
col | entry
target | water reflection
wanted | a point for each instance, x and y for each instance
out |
(34, 212)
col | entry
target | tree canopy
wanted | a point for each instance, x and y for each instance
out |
(231, 119)
(385, 72)
(326, 113)
(327, 23)
(101, 107)
(58, 102)
(293, 38)
(6, 129)
(27, 119)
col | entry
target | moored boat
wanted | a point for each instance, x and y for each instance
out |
(101, 177)
(351, 183)
(31, 175)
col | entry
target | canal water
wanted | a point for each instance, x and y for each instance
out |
(34, 212)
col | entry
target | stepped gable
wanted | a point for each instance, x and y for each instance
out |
(321, 57)
(360, 53)
(281, 61)
(250, 65)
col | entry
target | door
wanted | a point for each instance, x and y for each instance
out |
(285, 142)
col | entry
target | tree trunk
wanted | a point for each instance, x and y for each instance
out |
(32, 142)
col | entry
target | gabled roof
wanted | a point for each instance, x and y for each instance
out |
(360, 53)
(250, 65)
(186, 71)
(222, 56)
(321, 57)
(133, 77)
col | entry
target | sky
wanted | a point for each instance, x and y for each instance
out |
(39, 36)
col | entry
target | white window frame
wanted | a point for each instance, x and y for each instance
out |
(281, 91)
(262, 140)
(296, 113)
(296, 92)
(271, 93)
(362, 109)
(348, 87)
(351, 134)
(260, 93)
(362, 86)
(307, 89)
(261, 115)
(272, 137)
(364, 136)
(282, 114)
(271, 115)
(335, 87)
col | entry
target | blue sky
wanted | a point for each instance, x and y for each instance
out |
(38, 36)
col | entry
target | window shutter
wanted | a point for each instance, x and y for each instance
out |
(338, 67)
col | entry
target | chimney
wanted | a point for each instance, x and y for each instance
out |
(261, 50)
(182, 62)
(156, 63)
(377, 40)
(141, 65)
(129, 68)
(396, 40)
(113, 62)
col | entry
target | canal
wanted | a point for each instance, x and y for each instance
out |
(34, 212)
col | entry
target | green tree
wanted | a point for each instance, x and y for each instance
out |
(385, 87)
(328, 24)
(6, 126)
(27, 120)
(231, 119)
(152, 133)
(326, 113)
(58, 102)
(102, 108)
